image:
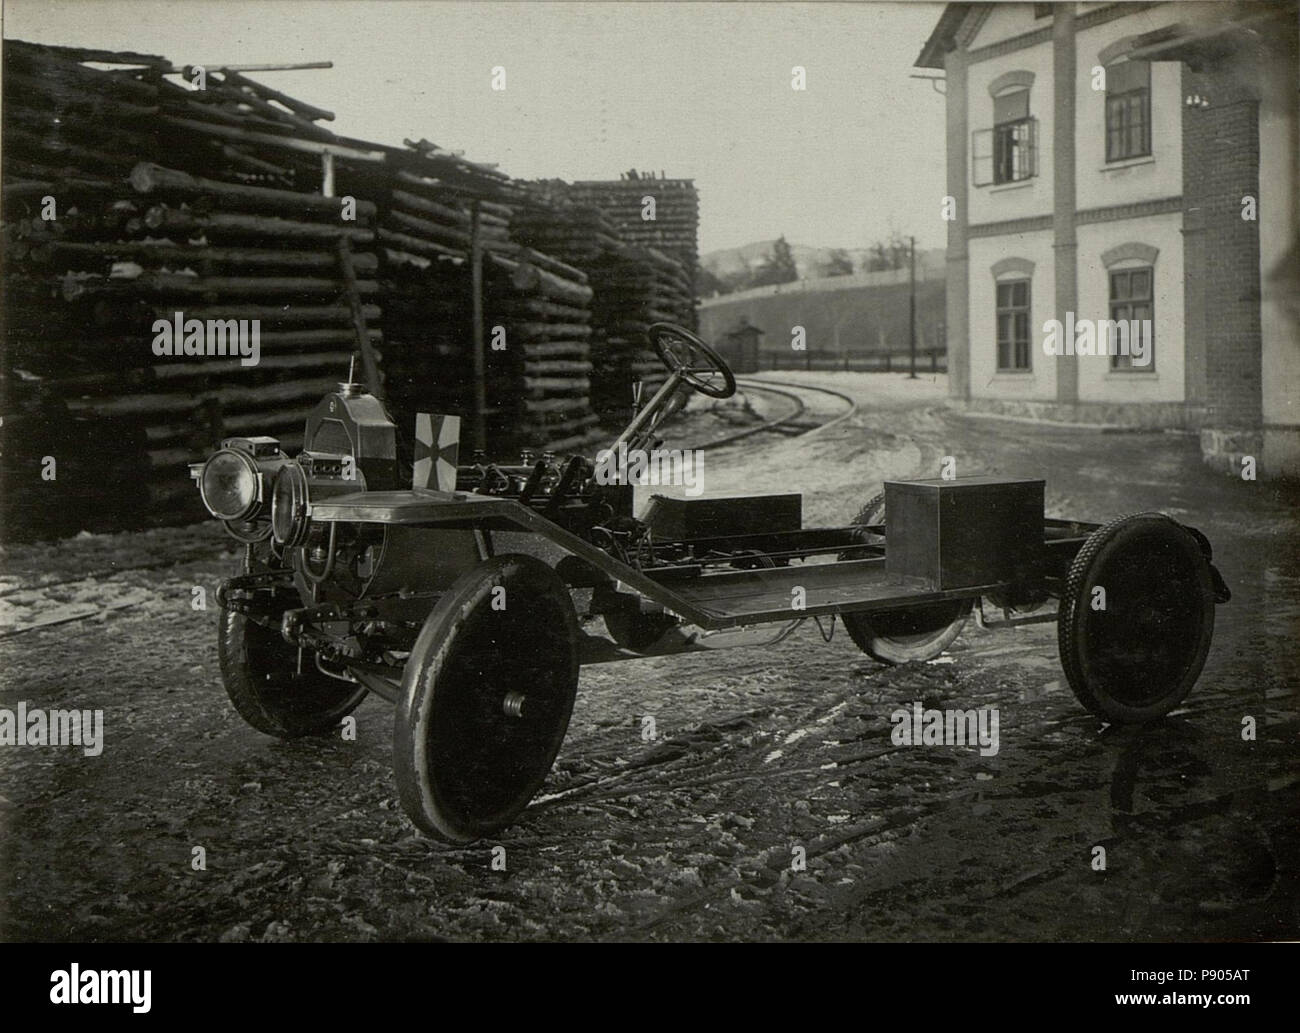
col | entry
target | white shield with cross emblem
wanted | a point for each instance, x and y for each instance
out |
(437, 449)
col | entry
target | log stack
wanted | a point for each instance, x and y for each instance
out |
(64, 177)
(426, 198)
(536, 323)
(540, 391)
(235, 202)
(131, 241)
(632, 288)
(535, 309)
(674, 230)
(427, 359)
(427, 212)
(200, 250)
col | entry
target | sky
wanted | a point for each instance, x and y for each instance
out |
(697, 90)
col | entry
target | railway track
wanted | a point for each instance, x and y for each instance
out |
(792, 424)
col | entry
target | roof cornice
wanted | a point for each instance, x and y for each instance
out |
(949, 33)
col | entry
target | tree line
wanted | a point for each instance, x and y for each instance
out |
(778, 266)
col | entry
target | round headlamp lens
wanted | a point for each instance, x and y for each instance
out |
(228, 485)
(289, 522)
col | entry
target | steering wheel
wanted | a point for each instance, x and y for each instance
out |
(699, 365)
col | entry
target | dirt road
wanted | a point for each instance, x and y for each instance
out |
(761, 757)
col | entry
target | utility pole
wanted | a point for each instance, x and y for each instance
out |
(911, 309)
(476, 327)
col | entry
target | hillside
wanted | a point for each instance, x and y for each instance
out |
(810, 261)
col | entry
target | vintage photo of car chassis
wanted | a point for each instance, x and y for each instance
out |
(944, 366)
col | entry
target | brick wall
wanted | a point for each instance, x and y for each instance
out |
(1220, 166)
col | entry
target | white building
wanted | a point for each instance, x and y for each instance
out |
(1126, 161)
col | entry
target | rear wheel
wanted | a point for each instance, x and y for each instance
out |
(1136, 618)
(918, 633)
(911, 633)
(487, 695)
(260, 672)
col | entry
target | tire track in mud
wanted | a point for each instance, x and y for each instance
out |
(780, 751)
(740, 738)
(1053, 774)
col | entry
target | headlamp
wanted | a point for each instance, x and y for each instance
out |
(229, 485)
(289, 521)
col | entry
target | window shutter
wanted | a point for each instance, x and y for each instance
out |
(1011, 107)
(981, 149)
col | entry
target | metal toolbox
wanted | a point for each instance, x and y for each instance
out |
(964, 533)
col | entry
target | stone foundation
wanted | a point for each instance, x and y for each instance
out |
(1144, 416)
(1276, 449)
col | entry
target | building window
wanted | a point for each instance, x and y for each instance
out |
(1008, 152)
(1128, 110)
(1042, 10)
(1013, 325)
(1131, 299)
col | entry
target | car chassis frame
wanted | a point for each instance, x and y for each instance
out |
(413, 594)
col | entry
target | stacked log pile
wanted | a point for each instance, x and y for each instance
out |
(536, 324)
(541, 374)
(102, 239)
(427, 359)
(429, 200)
(674, 230)
(432, 204)
(64, 177)
(147, 190)
(284, 270)
(632, 287)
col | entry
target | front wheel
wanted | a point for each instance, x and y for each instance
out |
(1136, 618)
(260, 671)
(486, 699)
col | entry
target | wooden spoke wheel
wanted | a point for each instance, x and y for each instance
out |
(1137, 658)
(260, 672)
(486, 699)
(910, 633)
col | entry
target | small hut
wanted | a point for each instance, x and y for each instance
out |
(739, 346)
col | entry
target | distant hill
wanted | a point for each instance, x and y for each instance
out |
(810, 261)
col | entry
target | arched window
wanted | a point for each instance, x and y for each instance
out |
(1008, 152)
(1012, 279)
(1128, 102)
(1131, 272)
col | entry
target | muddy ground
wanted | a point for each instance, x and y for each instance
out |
(759, 752)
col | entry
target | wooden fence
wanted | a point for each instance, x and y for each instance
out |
(929, 360)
